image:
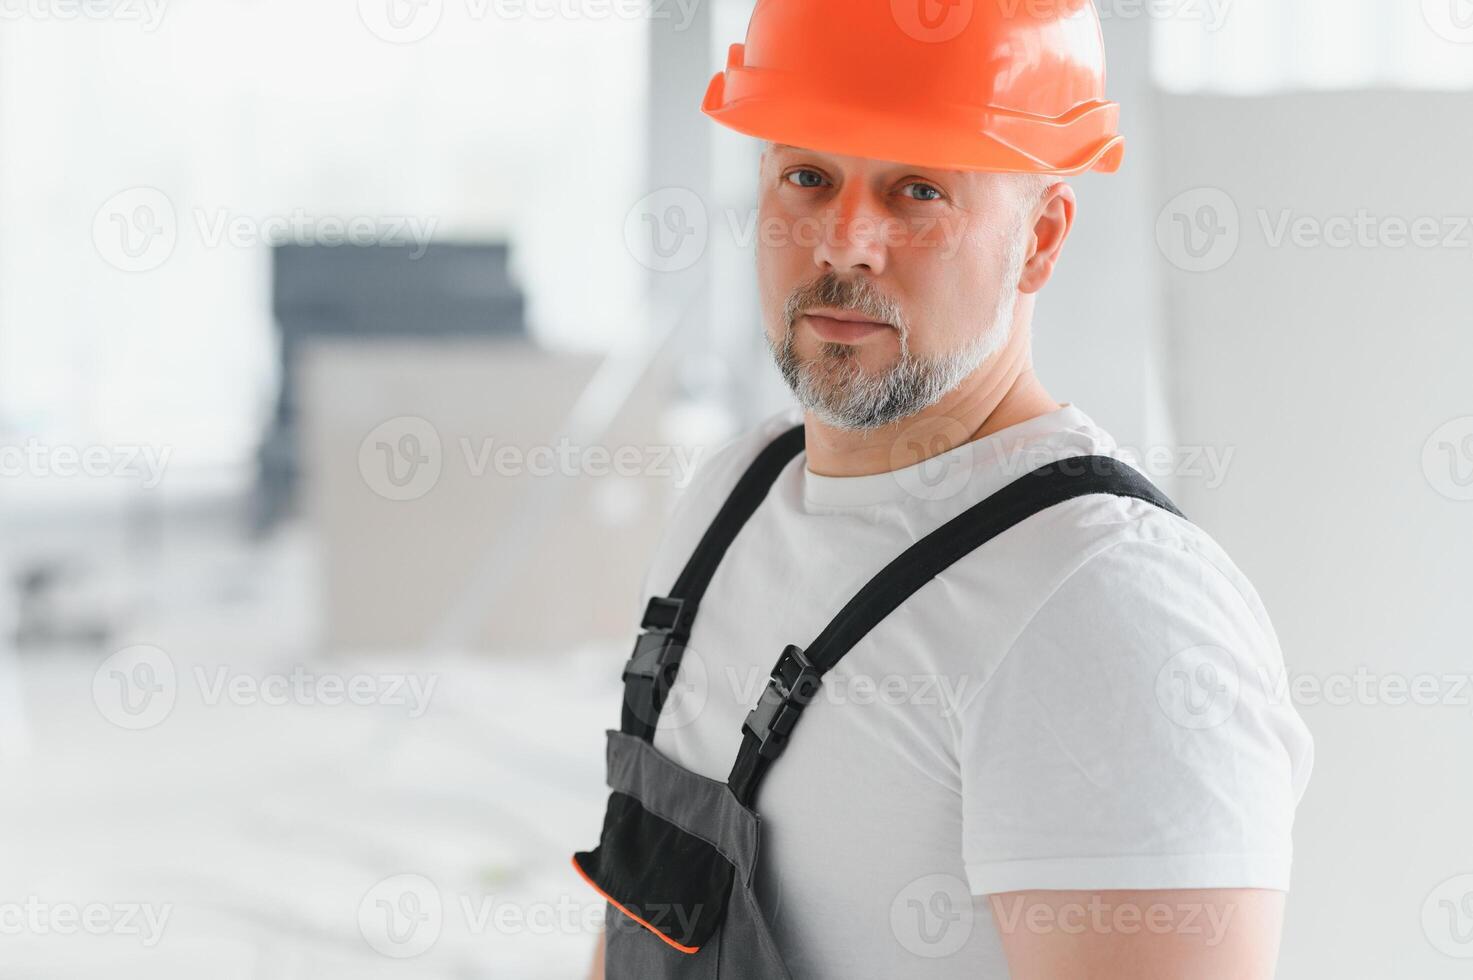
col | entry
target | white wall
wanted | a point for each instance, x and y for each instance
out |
(1326, 370)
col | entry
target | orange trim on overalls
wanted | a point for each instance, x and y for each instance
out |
(584, 875)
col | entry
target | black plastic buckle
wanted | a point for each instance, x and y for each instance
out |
(664, 623)
(794, 683)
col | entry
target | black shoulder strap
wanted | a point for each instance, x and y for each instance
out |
(667, 621)
(795, 679)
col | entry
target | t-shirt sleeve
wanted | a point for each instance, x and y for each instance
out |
(1135, 735)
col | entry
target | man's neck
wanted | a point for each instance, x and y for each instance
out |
(1000, 394)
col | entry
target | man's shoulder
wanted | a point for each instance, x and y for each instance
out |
(1071, 560)
(714, 476)
(719, 468)
(1112, 563)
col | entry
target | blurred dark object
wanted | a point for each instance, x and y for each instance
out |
(373, 292)
(50, 613)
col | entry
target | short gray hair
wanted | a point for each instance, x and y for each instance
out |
(1034, 186)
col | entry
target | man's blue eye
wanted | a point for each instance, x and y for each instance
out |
(927, 192)
(806, 178)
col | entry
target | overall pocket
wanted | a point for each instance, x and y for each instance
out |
(663, 878)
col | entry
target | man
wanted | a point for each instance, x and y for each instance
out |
(1059, 754)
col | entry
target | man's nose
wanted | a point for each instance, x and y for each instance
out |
(854, 235)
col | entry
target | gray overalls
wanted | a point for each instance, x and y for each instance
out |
(679, 850)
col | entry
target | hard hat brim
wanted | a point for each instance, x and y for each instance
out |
(943, 137)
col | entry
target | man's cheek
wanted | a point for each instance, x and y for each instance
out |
(938, 237)
(776, 229)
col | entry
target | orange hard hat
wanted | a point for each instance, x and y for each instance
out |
(1013, 86)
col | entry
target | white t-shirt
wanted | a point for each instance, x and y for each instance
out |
(1085, 702)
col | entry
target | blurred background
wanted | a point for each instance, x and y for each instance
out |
(352, 356)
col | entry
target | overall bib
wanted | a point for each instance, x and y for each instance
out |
(678, 851)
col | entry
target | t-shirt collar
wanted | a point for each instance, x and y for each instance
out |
(979, 467)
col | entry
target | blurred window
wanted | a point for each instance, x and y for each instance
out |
(228, 124)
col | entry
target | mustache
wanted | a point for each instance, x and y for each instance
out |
(859, 295)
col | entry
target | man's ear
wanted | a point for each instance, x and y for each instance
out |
(1052, 219)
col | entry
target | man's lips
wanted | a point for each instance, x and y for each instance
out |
(839, 327)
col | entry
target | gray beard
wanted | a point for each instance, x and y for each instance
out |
(835, 388)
